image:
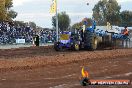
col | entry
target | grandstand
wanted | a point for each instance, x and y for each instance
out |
(10, 33)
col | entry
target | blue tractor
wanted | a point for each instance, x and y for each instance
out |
(89, 38)
(67, 40)
(84, 39)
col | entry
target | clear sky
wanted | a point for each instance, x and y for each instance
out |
(38, 10)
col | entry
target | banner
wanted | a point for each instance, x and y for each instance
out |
(20, 41)
(53, 7)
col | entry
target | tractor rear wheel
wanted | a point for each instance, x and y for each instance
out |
(91, 41)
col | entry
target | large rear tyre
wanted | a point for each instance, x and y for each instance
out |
(91, 41)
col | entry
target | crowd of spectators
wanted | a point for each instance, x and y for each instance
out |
(47, 36)
(9, 34)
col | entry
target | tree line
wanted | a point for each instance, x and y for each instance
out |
(104, 11)
(7, 14)
(109, 11)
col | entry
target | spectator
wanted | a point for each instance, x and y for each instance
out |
(8, 34)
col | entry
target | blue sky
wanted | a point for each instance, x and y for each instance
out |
(38, 10)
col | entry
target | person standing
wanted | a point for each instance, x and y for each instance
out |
(126, 31)
(125, 37)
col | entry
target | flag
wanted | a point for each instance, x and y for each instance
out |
(53, 7)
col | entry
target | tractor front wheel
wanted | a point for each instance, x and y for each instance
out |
(76, 47)
(57, 46)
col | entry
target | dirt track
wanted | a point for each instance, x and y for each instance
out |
(42, 67)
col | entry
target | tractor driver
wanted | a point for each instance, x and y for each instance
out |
(125, 31)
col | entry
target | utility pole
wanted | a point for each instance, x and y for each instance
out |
(54, 10)
(57, 31)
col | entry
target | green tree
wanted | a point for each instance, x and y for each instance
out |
(19, 23)
(76, 26)
(11, 14)
(126, 18)
(2, 10)
(5, 12)
(32, 25)
(8, 4)
(63, 21)
(22, 23)
(80, 24)
(107, 11)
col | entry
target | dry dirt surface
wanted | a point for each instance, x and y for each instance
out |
(42, 67)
